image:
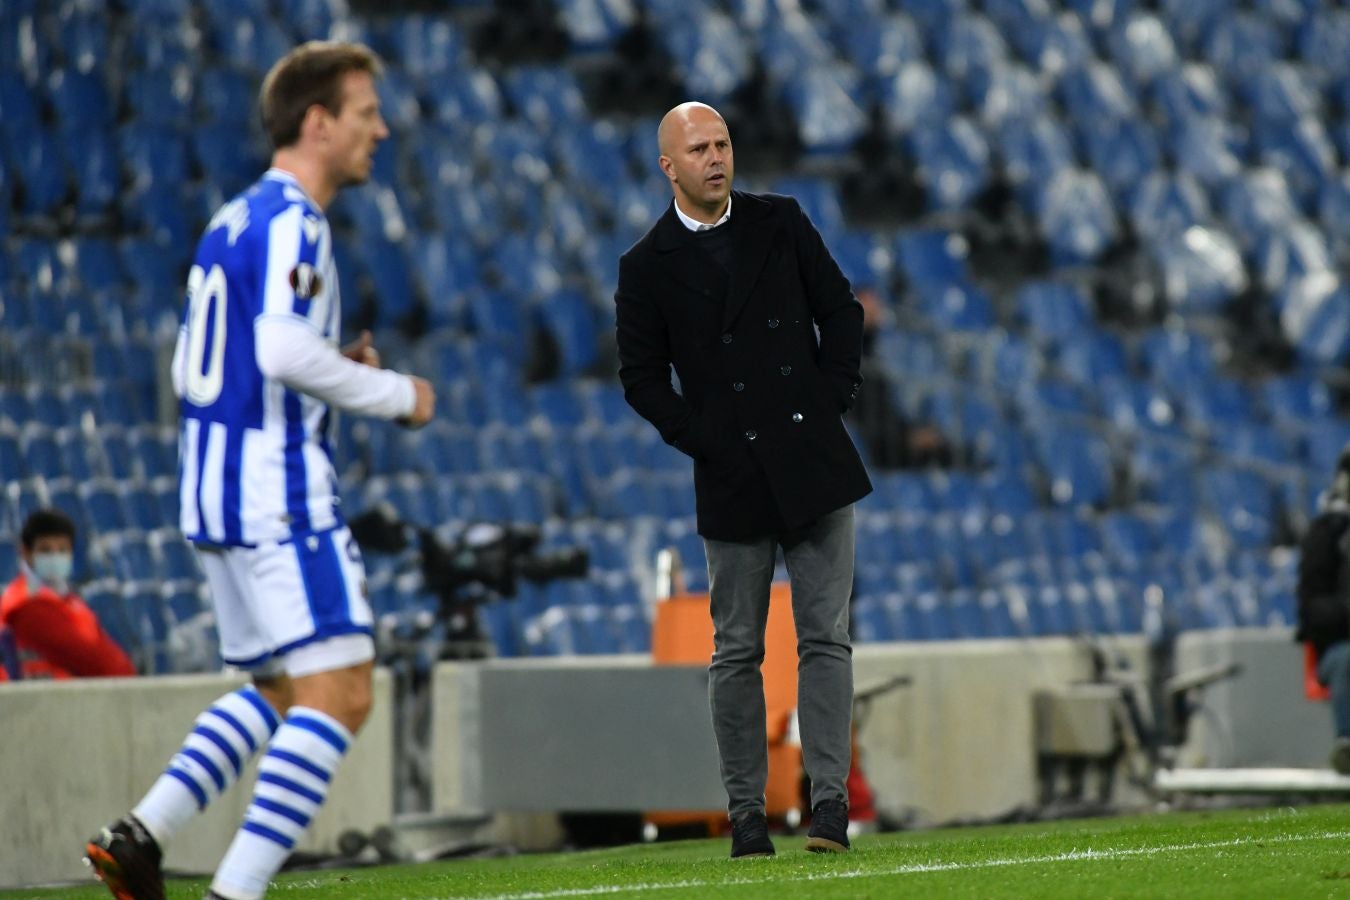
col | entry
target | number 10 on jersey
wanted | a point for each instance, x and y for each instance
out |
(205, 322)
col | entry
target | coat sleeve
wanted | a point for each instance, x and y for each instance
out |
(645, 362)
(1323, 614)
(837, 313)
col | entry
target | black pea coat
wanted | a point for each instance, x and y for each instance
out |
(1323, 589)
(767, 351)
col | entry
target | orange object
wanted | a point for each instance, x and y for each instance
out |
(1312, 688)
(59, 636)
(683, 635)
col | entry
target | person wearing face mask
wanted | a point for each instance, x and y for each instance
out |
(56, 633)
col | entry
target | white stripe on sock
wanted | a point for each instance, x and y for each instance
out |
(169, 804)
(254, 858)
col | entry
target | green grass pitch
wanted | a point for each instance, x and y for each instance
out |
(1258, 853)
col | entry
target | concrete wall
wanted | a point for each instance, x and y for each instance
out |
(561, 734)
(78, 754)
(1260, 717)
(959, 741)
(532, 736)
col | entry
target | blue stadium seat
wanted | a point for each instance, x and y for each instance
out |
(97, 265)
(1320, 331)
(1077, 464)
(954, 162)
(1296, 397)
(1141, 47)
(501, 626)
(428, 47)
(915, 95)
(96, 172)
(156, 448)
(154, 154)
(41, 167)
(1323, 40)
(1302, 150)
(1033, 149)
(157, 213)
(250, 44)
(80, 101)
(933, 257)
(558, 404)
(225, 160)
(103, 507)
(1242, 44)
(546, 97)
(40, 454)
(105, 599)
(1094, 92)
(960, 307)
(1076, 216)
(224, 96)
(79, 454)
(825, 103)
(604, 403)
(1190, 20)
(969, 44)
(10, 449)
(1122, 151)
(141, 507)
(159, 101)
(20, 114)
(178, 560)
(569, 317)
(595, 24)
(1093, 357)
(1007, 91)
(713, 59)
(877, 43)
(1258, 204)
(1283, 257)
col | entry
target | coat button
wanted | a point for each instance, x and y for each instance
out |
(796, 417)
(751, 434)
(738, 386)
(786, 370)
(726, 338)
(773, 323)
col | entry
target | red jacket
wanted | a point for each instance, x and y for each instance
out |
(59, 637)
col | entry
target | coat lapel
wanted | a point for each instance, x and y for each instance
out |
(752, 238)
(684, 261)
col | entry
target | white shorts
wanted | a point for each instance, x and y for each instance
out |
(298, 606)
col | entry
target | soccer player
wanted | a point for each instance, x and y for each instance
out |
(259, 375)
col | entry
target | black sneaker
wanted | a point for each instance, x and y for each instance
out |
(829, 828)
(126, 859)
(750, 836)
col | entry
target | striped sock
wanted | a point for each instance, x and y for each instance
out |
(293, 779)
(225, 738)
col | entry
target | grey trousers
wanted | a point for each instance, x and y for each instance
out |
(820, 569)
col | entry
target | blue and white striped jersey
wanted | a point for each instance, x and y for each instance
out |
(255, 463)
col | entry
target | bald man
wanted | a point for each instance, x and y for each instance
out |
(738, 293)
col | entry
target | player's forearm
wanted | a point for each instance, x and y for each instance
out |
(292, 353)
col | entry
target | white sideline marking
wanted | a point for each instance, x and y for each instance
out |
(918, 868)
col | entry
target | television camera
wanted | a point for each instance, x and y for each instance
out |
(484, 562)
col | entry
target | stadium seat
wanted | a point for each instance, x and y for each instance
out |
(954, 162)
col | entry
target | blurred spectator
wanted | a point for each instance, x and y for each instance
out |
(56, 634)
(1324, 603)
(893, 442)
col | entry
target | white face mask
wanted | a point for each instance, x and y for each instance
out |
(53, 569)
